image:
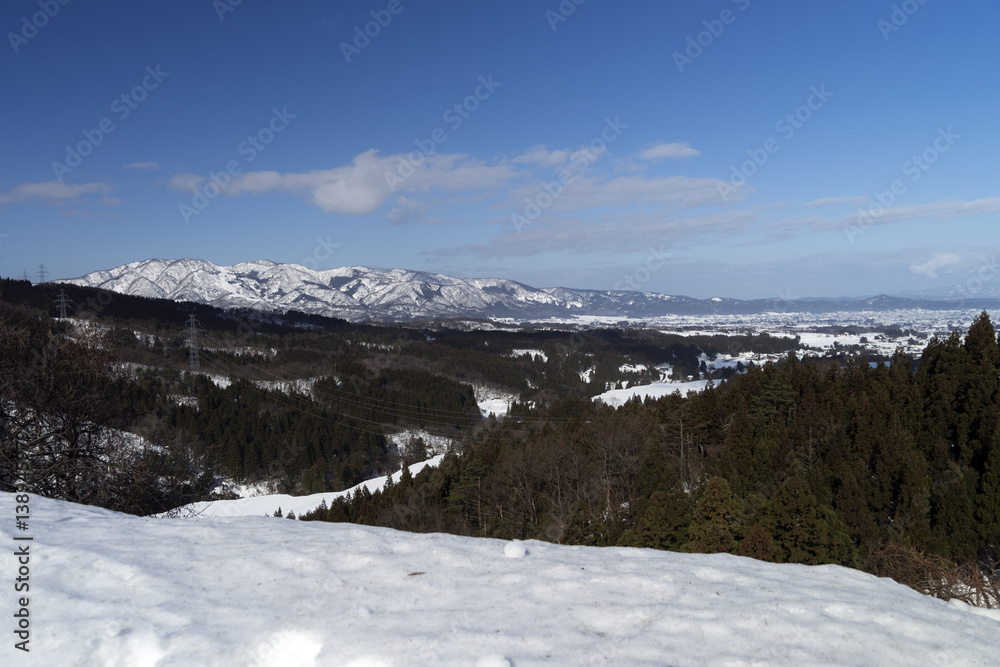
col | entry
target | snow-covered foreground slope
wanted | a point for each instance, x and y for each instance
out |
(109, 589)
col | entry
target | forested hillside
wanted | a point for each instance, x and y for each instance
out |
(881, 466)
(299, 402)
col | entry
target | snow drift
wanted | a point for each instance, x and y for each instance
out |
(110, 589)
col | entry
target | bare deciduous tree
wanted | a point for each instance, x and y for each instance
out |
(60, 415)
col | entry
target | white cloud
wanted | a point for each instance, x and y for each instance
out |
(406, 210)
(356, 190)
(937, 261)
(51, 192)
(185, 182)
(672, 151)
(370, 181)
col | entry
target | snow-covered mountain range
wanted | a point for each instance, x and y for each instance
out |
(359, 293)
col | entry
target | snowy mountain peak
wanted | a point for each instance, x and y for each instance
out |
(353, 293)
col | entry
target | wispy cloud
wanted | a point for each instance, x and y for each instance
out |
(370, 181)
(861, 201)
(543, 157)
(943, 209)
(936, 262)
(52, 192)
(146, 166)
(595, 191)
(406, 210)
(671, 151)
(184, 182)
(611, 233)
(408, 190)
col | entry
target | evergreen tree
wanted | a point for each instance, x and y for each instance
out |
(663, 523)
(953, 520)
(853, 507)
(801, 528)
(759, 544)
(989, 503)
(717, 519)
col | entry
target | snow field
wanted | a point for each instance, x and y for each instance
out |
(495, 406)
(618, 397)
(266, 505)
(492, 400)
(533, 354)
(435, 444)
(109, 589)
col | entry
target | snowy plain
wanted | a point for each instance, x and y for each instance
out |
(114, 590)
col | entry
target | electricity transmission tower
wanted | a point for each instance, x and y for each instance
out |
(62, 304)
(41, 273)
(194, 359)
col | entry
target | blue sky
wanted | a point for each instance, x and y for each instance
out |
(733, 147)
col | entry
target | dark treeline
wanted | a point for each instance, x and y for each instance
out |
(802, 461)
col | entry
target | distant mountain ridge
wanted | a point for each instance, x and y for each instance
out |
(359, 293)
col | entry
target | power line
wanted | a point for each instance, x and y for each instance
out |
(442, 417)
(430, 417)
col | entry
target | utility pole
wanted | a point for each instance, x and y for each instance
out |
(41, 273)
(62, 304)
(195, 361)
